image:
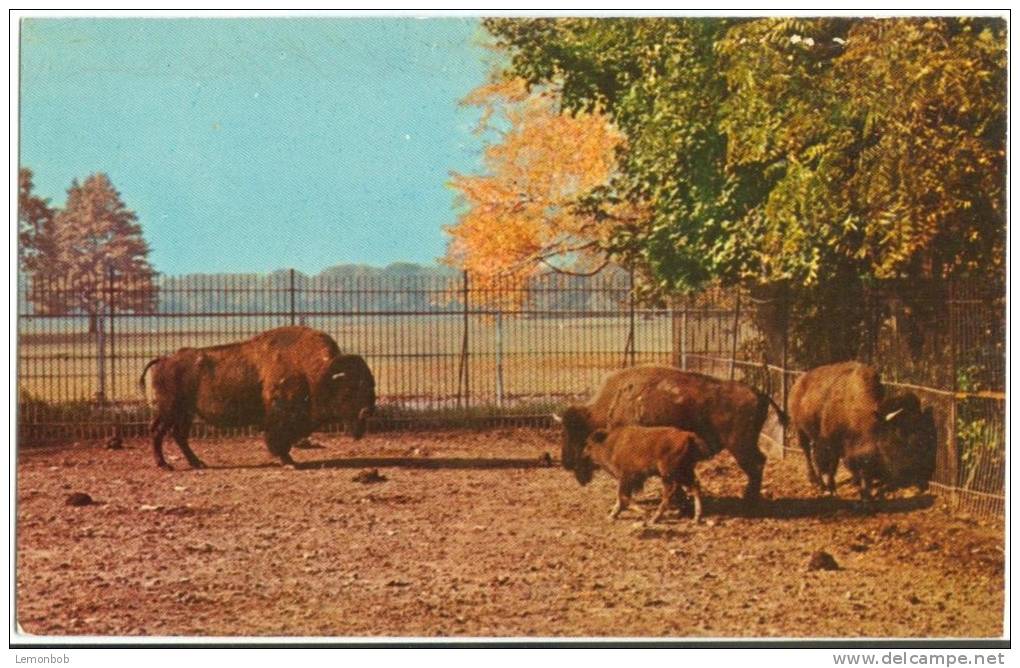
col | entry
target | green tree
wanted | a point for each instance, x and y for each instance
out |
(889, 139)
(806, 150)
(37, 243)
(822, 154)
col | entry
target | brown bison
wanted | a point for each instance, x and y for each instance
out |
(288, 380)
(724, 414)
(634, 454)
(840, 411)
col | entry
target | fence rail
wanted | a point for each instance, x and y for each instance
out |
(446, 351)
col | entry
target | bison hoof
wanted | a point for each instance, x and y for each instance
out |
(197, 464)
(163, 465)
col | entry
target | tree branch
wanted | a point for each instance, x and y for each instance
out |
(548, 252)
(567, 272)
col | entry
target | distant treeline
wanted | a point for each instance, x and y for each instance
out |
(400, 286)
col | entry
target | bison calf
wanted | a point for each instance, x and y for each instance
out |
(634, 454)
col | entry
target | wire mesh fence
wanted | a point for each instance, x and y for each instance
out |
(944, 343)
(446, 352)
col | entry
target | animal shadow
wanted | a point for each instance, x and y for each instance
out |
(306, 444)
(426, 463)
(813, 507)
(479, 463)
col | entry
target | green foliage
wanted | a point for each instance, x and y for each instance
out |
(981, 443)
(754, 352)
(36, 234)
(808, 150)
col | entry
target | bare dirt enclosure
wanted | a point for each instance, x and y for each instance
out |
(473, 534)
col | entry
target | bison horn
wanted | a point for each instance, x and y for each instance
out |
(339, 375)
(890, 416)
(557, 418)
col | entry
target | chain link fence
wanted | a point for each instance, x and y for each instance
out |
(943, 342)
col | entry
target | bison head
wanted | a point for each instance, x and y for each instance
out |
(576, 421)
(353, 392)
(908, 442)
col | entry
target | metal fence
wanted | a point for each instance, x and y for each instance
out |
(446, 352)
(441, 350)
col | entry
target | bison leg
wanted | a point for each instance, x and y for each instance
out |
(669, 488)
(868, 488)
(805, 446)
(695, 491)
(752, 463)
(181, 430)
(158, 430)
(279, 446)
(826, 462)
(623, 492)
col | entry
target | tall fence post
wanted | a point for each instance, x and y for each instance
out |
(630, 350)
(784, 306)
(683, 335)
(98, 319)
(499, 357)
(464, 373)
(101, 356)
(293, 299)
(678, 328)
(111, 308)
(736, 335)
(953, 454)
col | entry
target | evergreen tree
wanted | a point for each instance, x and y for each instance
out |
(96, 232)
(37, 244)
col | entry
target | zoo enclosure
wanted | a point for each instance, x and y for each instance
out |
(445, 351)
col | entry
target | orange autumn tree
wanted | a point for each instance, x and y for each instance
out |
(521, 215)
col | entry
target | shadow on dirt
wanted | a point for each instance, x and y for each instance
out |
(308, 445)
(803, 507)
(428, 463)
(480, 463)
(798, 507)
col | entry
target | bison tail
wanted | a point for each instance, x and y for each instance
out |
(141, 379)
(784, 419)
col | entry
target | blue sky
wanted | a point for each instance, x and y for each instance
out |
(258, 144)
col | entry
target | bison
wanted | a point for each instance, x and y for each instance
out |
(634, 454)
(840, 411)
(288, 380)
(724, 414)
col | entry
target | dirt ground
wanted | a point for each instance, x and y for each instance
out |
(473, 534)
